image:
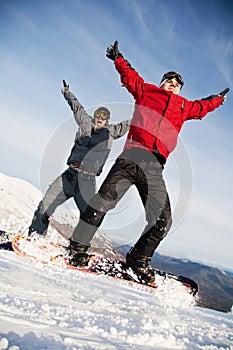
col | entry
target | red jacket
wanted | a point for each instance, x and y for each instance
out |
(158, 114)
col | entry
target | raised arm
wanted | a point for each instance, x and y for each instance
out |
(129, 77)
(80, 115)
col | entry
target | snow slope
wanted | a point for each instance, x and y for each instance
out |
(18, 201)
(47, 307)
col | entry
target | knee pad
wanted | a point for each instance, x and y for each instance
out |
(162, 227)
(93, 217)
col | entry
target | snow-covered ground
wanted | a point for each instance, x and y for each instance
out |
(50, 307)
(47, 307)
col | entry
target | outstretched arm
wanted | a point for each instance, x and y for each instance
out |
(80, 114)
(120, 129)
(221, 94)
(199, 108)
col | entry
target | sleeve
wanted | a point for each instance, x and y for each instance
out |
(80, 115)
(199, 108)
(120, 129)
(130, 77)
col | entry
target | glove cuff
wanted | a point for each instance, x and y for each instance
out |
(65, 89)
(119, 55)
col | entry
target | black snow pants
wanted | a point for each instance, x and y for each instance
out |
(144, 170)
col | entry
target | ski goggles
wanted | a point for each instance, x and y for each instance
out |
(102, 115)
(173, 75)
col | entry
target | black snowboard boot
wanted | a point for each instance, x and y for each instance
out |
(78, 256)
(140, 264)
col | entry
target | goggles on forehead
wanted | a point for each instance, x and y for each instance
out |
(101, 114)
(173, 75)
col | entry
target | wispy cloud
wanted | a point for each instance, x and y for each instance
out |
(20, 131)
(220, 50)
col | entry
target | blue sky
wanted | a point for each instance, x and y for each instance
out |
(47, 41)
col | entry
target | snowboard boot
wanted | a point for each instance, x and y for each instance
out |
(140, 264)
(78, 256)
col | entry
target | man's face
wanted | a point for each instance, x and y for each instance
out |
(100, 121)
(171, 85)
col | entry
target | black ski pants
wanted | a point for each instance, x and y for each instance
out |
(142, 169)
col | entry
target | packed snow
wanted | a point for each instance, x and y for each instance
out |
(47, 307)
(44, 306)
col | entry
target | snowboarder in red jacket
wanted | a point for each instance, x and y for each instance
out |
(157, 120)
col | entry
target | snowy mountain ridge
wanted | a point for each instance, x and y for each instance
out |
(19, 200)
(47, 307)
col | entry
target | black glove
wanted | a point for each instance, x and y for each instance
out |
(113, 52)
(65, 88)
(222, 94)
